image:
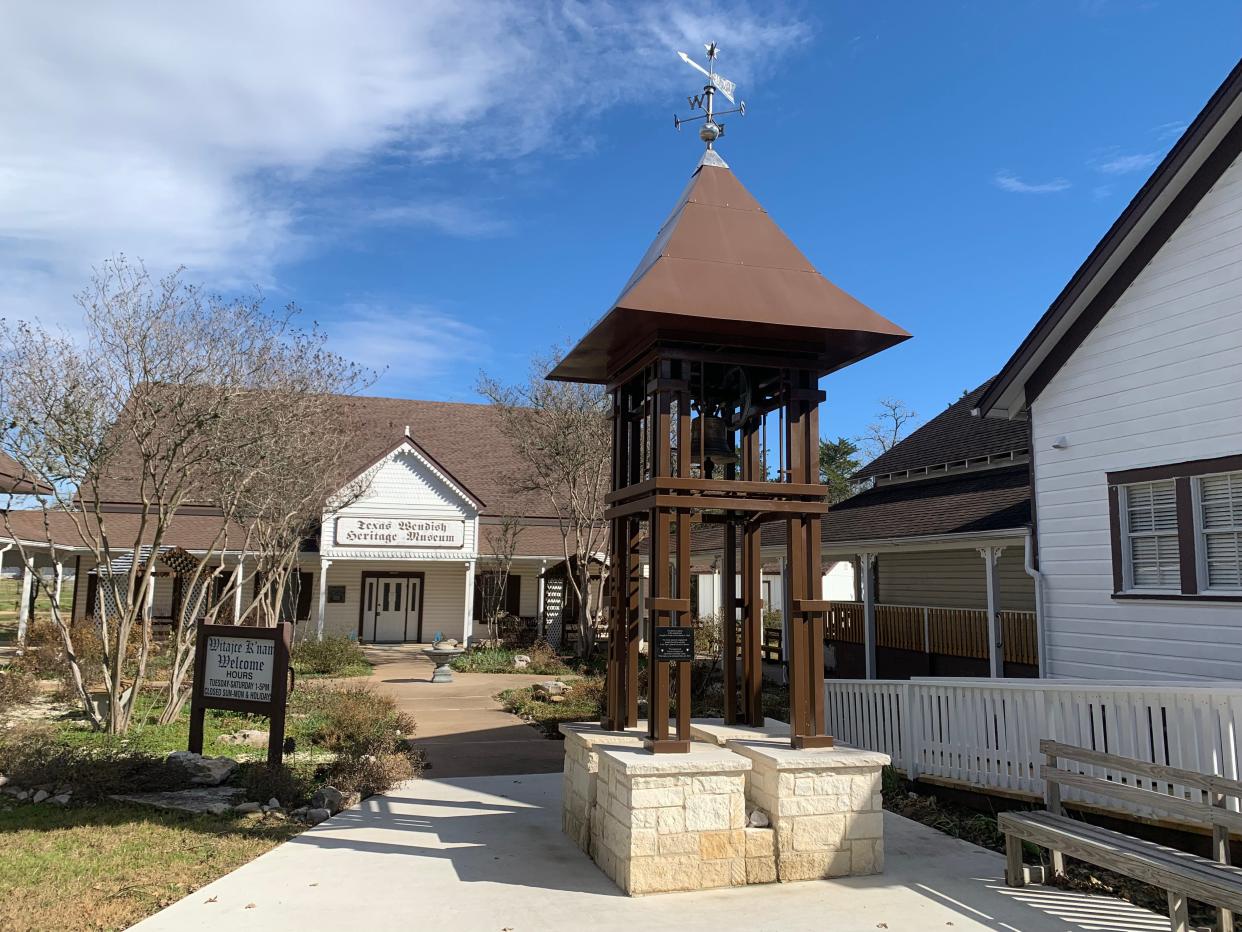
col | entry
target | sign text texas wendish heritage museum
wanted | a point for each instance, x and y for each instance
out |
(399, 532)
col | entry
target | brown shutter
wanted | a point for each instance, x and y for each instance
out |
(513, 595)
(304, 595)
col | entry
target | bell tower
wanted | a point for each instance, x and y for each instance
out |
(712, 354)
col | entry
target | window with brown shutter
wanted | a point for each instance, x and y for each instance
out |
(1177, 530)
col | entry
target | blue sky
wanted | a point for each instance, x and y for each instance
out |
(449, 191)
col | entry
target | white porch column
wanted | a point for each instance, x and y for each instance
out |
(541, 617)
(996, 634)
(60, 581)
(467, 627)
(149, 608)
(23, 606)
(323, 596)
(867, 561)
(237, 591)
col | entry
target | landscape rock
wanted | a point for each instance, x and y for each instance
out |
(12, 791)
(328, 797)
(550, 688)
(556, 698)
(273, 803)
(521, 661)
(204, 771)
(315, 816)
(60, 799)
(4, 781)
(23, 795)
(41, 795)
(758, 819)
(214, 800)
(246, 807)
(300, 811)
(248, 737)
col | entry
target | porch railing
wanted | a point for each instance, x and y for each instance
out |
(985, 733)
(953, 632)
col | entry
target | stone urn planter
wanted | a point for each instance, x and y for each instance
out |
(442, 656)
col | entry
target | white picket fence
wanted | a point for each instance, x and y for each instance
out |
(986, 733)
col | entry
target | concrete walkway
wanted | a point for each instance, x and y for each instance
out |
(460, 726)
(487, 853)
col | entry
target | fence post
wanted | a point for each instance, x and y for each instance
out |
(911, 732)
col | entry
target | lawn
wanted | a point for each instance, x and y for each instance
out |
(107, 866)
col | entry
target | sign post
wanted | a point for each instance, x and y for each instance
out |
(242, 669)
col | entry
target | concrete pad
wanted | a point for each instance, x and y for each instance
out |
(487, 854)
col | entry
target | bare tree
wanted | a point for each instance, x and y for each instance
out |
(493, 581)
(156, 404)
(889, 427)
(562, 433)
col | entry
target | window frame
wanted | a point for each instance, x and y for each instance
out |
(1128, 535)
(1190, 538)
(1201, 532)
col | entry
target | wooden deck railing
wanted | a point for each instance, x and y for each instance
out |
(954, 632)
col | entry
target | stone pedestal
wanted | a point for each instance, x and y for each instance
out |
(671, 821)
(715, 731)
(824, 805)
(582, 740)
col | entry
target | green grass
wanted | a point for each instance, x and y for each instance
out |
(109, 865)
(331, 657)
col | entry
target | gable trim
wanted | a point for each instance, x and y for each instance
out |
(1038, 341)
(443, 474)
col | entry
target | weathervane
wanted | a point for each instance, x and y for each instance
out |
(710, 130)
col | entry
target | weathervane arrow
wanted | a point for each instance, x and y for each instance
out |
(711, 130)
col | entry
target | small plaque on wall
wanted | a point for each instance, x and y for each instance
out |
(674, 645)
(336, 593)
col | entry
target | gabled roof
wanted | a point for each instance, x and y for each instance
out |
(407, 443)
(14, 479)
(720, 266)
(466, 440)
(951, 437)
(1203, 153)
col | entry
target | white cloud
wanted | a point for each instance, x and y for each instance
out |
(1007, 181)
(410, 348)
(1124, 164)
(203, 133)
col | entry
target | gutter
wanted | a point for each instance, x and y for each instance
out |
(1028, 564)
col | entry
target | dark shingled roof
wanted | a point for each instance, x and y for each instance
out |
(973, 503)
(16, 480)
(992, 500)
(953, 435)
(465, 439)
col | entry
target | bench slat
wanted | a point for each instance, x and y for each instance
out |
(1166, 868)
(1162, 772)
(1196, 812)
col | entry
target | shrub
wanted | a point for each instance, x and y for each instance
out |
(293, 783)
(544, 661)
(92, 772)
(371, 773)
(333, 656)
(353, 721)
(583, 702)
(17, 686)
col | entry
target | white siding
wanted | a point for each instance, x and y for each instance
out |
(953, 579)
(444, 596)
(1159, 380)
(838, 585)
(406, 486)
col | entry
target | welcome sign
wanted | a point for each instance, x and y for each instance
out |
(239, 668)
(400, 532)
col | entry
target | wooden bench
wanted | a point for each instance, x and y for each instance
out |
(1200, 799)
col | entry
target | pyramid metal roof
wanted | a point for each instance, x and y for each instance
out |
(720, 271)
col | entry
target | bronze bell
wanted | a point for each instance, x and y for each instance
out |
(711, 440)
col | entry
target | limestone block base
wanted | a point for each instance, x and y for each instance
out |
(581, 766)
(824, 805)
(670, 822)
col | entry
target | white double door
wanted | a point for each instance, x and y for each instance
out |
(391, 607)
